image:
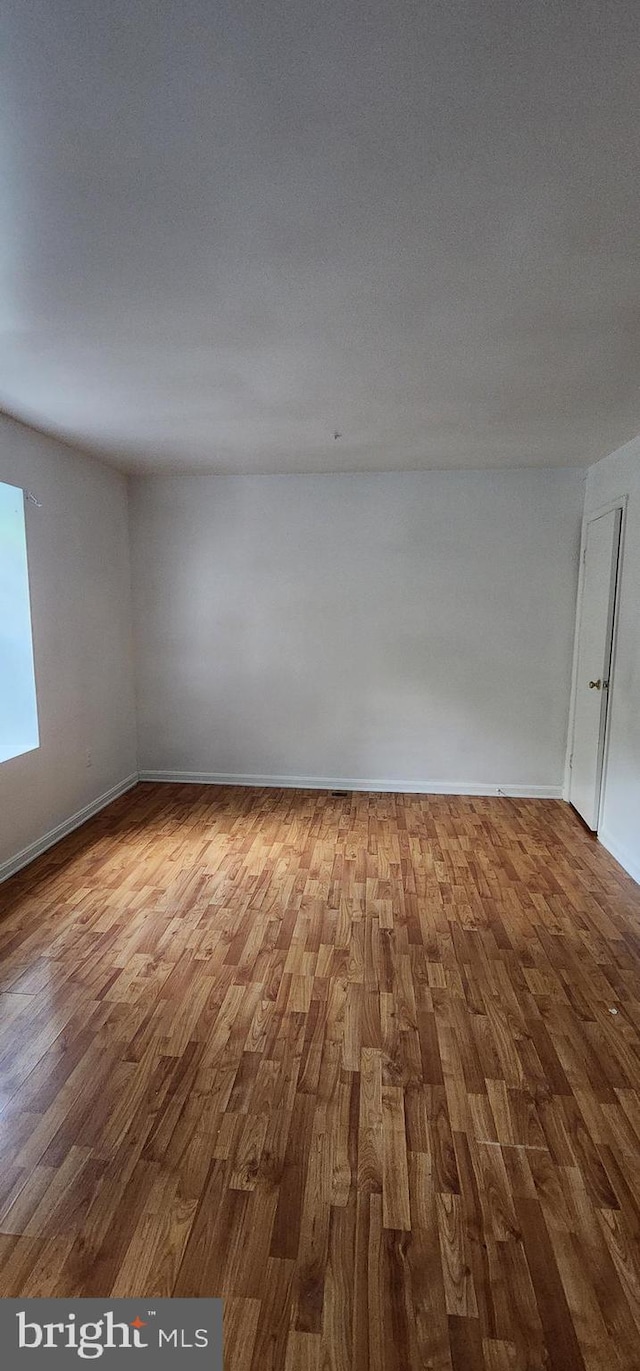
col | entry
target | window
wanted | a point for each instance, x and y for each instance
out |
(18, 707)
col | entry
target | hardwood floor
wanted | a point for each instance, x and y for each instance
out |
(350, 1062)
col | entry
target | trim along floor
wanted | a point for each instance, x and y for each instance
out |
(368, 1066)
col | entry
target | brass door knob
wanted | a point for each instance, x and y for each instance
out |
(595, 685)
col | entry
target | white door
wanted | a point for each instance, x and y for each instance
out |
(594, 661)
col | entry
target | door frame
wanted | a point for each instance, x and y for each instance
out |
(620, 503)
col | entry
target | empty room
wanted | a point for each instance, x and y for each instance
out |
(320, 685)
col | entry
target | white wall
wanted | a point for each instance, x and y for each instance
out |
(80, 599)
(619, 475)
(407, 629)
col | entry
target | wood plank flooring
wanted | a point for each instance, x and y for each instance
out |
(368, 1066)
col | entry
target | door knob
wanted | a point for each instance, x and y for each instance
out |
(595, 685)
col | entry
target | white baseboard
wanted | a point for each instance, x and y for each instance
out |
(54, 835)
(630, 864)
(402, 787)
